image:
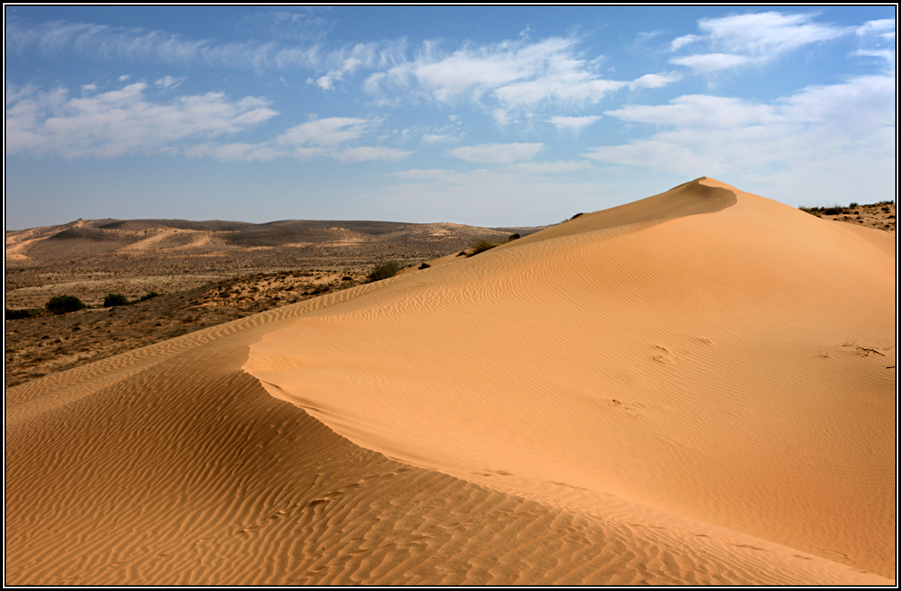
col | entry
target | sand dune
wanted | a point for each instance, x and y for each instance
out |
(693, 388)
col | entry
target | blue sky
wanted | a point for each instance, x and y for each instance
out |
(493, 116)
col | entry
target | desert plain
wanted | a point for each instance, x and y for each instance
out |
(694, 388)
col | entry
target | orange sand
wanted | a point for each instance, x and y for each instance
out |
(689, 389)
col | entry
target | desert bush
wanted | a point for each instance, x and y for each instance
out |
(18, 314)
(384, 271)
(115, 299)
(513, 237)
(852, 205)
(148, 295)
(424, 266)
(481, 245)
(64, 303)
(321, 288)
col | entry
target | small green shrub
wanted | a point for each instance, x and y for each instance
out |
(481, 245)
(115, 299)
(384, 271)
(148, 295)
(513, 237)
(64, 303)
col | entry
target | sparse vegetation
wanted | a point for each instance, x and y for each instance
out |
(481, 245)
(384, 271)
(18, 314)
(64, 303)
(867, 215)
(148, 295)
(115, 299)
(424, 266)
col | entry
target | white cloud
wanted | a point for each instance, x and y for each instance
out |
(574, 124)
(654, 80)
(767, 33)
(434, 138)
(884, 28)
(365, 153)
(888, 55)
(680, 42)
(325, 132)
(169, 82)
(122, 121)
(698, 111)
(497, 153)
(743, 39)
(710, 62)
(105, 43)
(235, 151)
(503, 77)
(318, 138)
(816, 129)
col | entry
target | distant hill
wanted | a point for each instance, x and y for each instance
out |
(98, 237)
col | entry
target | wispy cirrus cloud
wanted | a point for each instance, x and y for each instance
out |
(706, 63)
(505, 78)
(743, 39)
(767, 33)
(655, 80)
(318, 138)
(573, 124)
(884, 29)
(128, 121)
(107, 43)
(497, 153)
(121, 121)
(330, 131)
(818, 128)
(169, 82)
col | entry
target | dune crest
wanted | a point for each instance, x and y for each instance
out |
(703, 352)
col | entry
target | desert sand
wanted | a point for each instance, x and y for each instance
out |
(695, 388)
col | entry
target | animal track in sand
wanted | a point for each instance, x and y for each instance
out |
(498, 472)
(632, 409)
(664, 356)
(750, 546)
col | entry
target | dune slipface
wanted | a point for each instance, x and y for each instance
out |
(693, 388)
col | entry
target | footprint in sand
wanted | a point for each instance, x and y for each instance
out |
(664, 355)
